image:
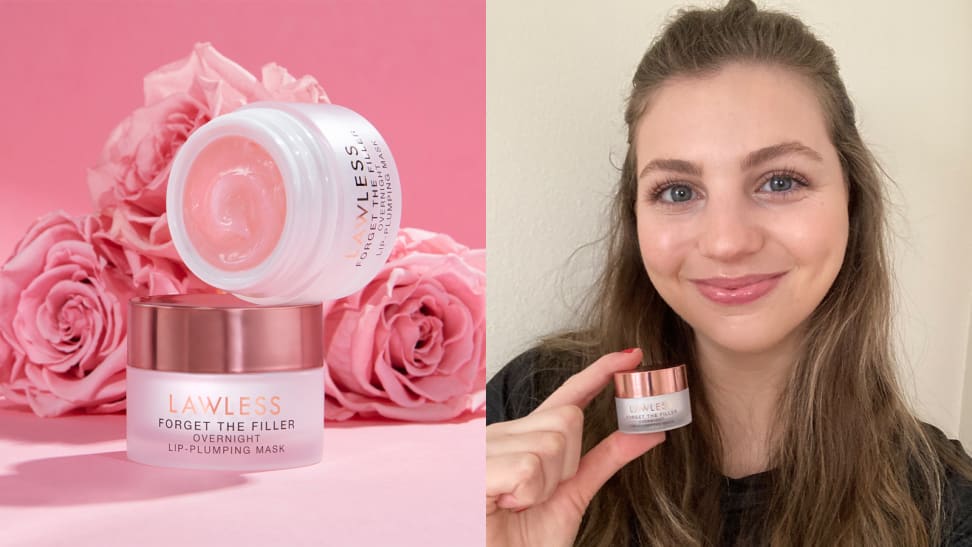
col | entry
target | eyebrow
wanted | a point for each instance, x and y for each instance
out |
(751, 160)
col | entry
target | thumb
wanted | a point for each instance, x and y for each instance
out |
(601, 463)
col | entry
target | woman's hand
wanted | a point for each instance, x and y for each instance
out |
(537, 485)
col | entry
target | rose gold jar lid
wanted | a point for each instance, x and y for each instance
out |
(219, 333)
(647, 383)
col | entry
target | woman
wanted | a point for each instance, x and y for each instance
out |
(748, 241)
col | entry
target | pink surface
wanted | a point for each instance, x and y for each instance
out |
(67, 481)
(416, 69)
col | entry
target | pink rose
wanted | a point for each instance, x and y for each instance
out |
(134, 164)
(130, 179)
(410, 345)
(62, 315)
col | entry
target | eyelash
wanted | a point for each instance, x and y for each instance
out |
(654, 194)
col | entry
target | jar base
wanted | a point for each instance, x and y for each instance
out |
(237, 467)
(659, 430)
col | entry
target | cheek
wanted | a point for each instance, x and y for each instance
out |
(664, 246)
(817, 236)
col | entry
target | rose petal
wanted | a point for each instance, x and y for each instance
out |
(282, 86)
(142, 232)
(205, 64)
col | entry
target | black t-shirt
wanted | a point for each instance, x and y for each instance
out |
(521, 386)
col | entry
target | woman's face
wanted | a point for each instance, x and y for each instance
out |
(741, 205)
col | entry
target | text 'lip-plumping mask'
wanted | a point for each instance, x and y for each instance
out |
(652, 400)
(215, 382)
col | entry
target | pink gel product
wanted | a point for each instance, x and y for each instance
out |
(235, 204)
(215, 382)
(282, 203)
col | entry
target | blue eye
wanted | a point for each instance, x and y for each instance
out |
(676, 193)
(779, 183)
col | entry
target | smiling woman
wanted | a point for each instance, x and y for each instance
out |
(748, 220)
(747, 240)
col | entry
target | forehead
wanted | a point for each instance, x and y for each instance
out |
(725, 115)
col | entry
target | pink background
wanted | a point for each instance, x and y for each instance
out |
(70, 71)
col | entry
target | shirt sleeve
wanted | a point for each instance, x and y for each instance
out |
(510, 393)
(525, 382)
(956, 492)
(958, 504)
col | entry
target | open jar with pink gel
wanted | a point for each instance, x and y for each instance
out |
(283, 203)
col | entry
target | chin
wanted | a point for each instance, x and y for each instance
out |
(749, 345)
(743, 337)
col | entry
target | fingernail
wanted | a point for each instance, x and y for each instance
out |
(629, 350)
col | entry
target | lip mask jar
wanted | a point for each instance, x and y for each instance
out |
(652, 400)
(284, 203)
(215, 382)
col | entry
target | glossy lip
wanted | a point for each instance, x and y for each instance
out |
(738, 290)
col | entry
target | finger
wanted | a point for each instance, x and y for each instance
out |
(580, 388)
(518, 476)
(566, 420)
(548, 446)
(491, 506)
(601, 463)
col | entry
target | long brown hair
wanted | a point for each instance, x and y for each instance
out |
(851, 465)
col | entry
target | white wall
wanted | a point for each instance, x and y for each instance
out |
(557, 75)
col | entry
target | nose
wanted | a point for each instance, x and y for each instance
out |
(730, 229)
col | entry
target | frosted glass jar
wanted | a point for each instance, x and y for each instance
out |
(283, 203)
(215, 382)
